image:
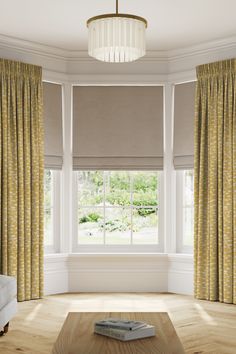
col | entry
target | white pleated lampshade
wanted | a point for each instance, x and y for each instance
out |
(117, 39)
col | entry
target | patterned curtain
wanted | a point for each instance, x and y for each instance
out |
(215, 182)
(21, 177)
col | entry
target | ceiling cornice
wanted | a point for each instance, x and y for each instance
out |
(176, 64)
(152, 55)
(203, 48)
(32, 47)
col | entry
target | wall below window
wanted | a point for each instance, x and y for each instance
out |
(119, 273)
(56, 274)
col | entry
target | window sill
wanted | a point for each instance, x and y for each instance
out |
(170, 256)
(116, 254)
(118, 249)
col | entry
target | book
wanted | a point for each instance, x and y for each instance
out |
(120, 324)
(124, 334)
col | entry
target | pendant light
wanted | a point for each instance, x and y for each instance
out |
(116, 37)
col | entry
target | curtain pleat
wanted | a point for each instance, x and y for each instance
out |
(215, 182)
(21, 177)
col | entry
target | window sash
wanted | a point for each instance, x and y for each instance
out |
(180, 207)
(108, 248)
(55, 213)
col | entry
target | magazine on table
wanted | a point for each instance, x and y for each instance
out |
(123, 330)
(120, 324)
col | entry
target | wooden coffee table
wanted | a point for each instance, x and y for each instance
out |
(77, 337)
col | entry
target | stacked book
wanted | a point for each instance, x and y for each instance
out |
(123, 330)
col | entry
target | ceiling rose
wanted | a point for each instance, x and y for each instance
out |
(116, 38)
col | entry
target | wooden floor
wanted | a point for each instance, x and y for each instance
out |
(203, 327)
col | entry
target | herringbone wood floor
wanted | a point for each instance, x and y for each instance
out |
(203, 327)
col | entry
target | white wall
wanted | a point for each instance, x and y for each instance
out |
(115, 272)
(56, 274)
(119, 273)
(180, 274)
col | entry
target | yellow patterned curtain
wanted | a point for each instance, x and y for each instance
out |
(215, 182)
(21, 177)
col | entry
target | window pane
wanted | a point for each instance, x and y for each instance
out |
(117, 190)
(188, 187)
(114, 195)
(90, 226)
(118, 225)
(90, 188)
(188, 208)
(145, 225)
(145, 188)
(48, 228)
(188, 227)
(48, 208)
(47, 189)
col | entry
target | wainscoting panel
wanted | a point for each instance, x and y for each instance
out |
(180, 274)
(119, 273)
(55, 274)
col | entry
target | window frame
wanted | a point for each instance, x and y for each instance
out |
(105, 248)
(56, 211)
(180, 246)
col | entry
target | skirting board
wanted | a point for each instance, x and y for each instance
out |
(118, 273)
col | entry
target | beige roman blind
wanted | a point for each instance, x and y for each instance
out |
(52, 100)
(184, 98)
(117, 127)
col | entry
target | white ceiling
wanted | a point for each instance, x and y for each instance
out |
(173, 24)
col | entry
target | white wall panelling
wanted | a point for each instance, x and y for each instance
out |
(119, 273)
(180, 274)
(55, 274)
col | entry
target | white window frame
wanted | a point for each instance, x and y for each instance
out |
(152, 248)
(56, 211)
(181, 247)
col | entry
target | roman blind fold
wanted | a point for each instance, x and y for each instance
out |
(184, 98)
(117, 127)
(52, 101)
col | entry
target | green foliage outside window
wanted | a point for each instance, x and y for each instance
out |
(122, 190)
(92, 217)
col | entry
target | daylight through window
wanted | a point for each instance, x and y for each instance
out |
(185, 211)
(188, 208)
(52, 222)
(48, 208)
(117, 207)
